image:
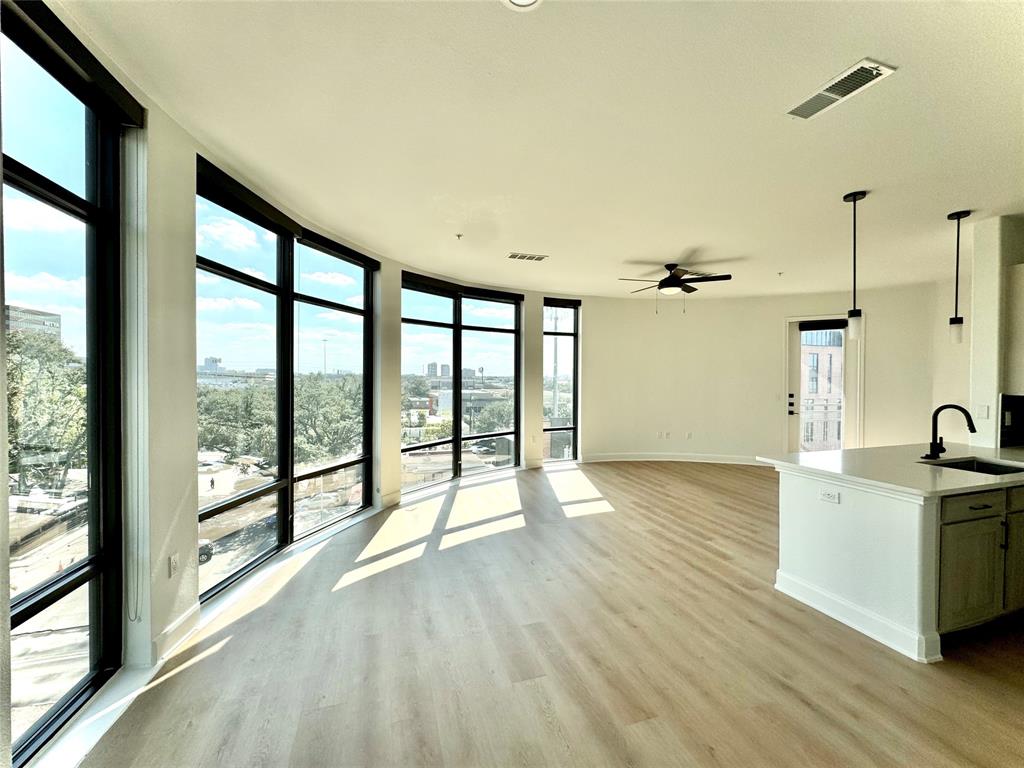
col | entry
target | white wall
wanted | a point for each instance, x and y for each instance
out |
(718, 372)
(995, 357)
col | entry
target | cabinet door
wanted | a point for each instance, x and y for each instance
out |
(971, 573)
(1015, 561)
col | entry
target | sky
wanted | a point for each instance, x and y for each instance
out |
(44, 249)
(238, 324)
(421, 345)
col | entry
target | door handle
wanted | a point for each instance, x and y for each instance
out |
(1006, 535)
(976, 507)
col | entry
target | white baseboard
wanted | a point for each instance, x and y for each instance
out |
(176, 631)
(712, 458)
(919, 647)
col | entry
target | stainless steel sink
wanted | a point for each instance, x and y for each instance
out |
(974, 464)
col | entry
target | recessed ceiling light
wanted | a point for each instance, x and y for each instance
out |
(522, 5)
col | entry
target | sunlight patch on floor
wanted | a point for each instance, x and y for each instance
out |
(161, 679)
(480, 531)
(404, 526)
(379, 566)
(581, 508)
(572, 486)
(484, 501)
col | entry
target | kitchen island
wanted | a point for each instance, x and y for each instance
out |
(901, 549)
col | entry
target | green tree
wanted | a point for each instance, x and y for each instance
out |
(328, 417)
(413, 386)
(239, 421)
(46, 408)
(494, 417)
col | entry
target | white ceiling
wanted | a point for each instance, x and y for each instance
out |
(601, 133)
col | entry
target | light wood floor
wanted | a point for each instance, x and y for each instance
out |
(644, 634)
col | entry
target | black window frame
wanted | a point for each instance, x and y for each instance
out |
(220, 188)
(110, 108)
(575, 305)
(457, 292)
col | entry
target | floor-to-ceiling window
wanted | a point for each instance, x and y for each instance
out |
(460, 380)
(62, 128)
(561, 373)
(283, 347)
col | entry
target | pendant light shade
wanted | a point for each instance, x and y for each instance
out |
(956, 323)
(854, 318)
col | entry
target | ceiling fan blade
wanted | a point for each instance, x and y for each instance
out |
(637, 280)
(639, 290)
(708, 279)
(683, 272)
(688, 288)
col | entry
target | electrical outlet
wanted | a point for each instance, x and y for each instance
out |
(830, 495)
(668, 435)
(172, 565)
(981, 412)
(689, 435)
(661, 435)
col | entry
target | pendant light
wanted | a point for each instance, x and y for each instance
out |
(956, 323)
(854, 318)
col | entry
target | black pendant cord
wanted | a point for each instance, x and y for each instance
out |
(957, 216)
(956, 280)
(854, 253)
(853, 197)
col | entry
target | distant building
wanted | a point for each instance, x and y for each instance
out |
(821, 390)
(211, 365)
(468, 374)
(446, 370)
(24, 319)
(431, 369)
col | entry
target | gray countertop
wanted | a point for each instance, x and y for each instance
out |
(897, 468)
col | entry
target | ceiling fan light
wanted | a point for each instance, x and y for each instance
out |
(669, 290)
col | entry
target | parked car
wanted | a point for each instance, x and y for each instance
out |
(205, 551)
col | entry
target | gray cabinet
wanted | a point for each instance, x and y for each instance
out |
(971, 572)
(1014, 561)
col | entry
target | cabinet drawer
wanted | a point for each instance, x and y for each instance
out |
(1015, 499)
(972, 506)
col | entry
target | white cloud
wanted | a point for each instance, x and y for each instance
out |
(498, 312)
(328, 278)
(331, 334)
(204, 279)
(336, 316)
(42, 282)
(228, 233)
(206, 304)
(255, 273)
(27, 214)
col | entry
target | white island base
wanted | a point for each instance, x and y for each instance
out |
(870, 561)
(859, 537)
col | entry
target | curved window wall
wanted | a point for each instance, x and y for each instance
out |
(283, 346)
(460, 380)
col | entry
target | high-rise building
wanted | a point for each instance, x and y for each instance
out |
(210, 365)
(446, 370)
(431, 369)
(24, 319)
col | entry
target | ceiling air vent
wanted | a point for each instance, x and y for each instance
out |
(845, 84)
(526, 256)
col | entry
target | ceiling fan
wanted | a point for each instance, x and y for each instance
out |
(679, 279)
